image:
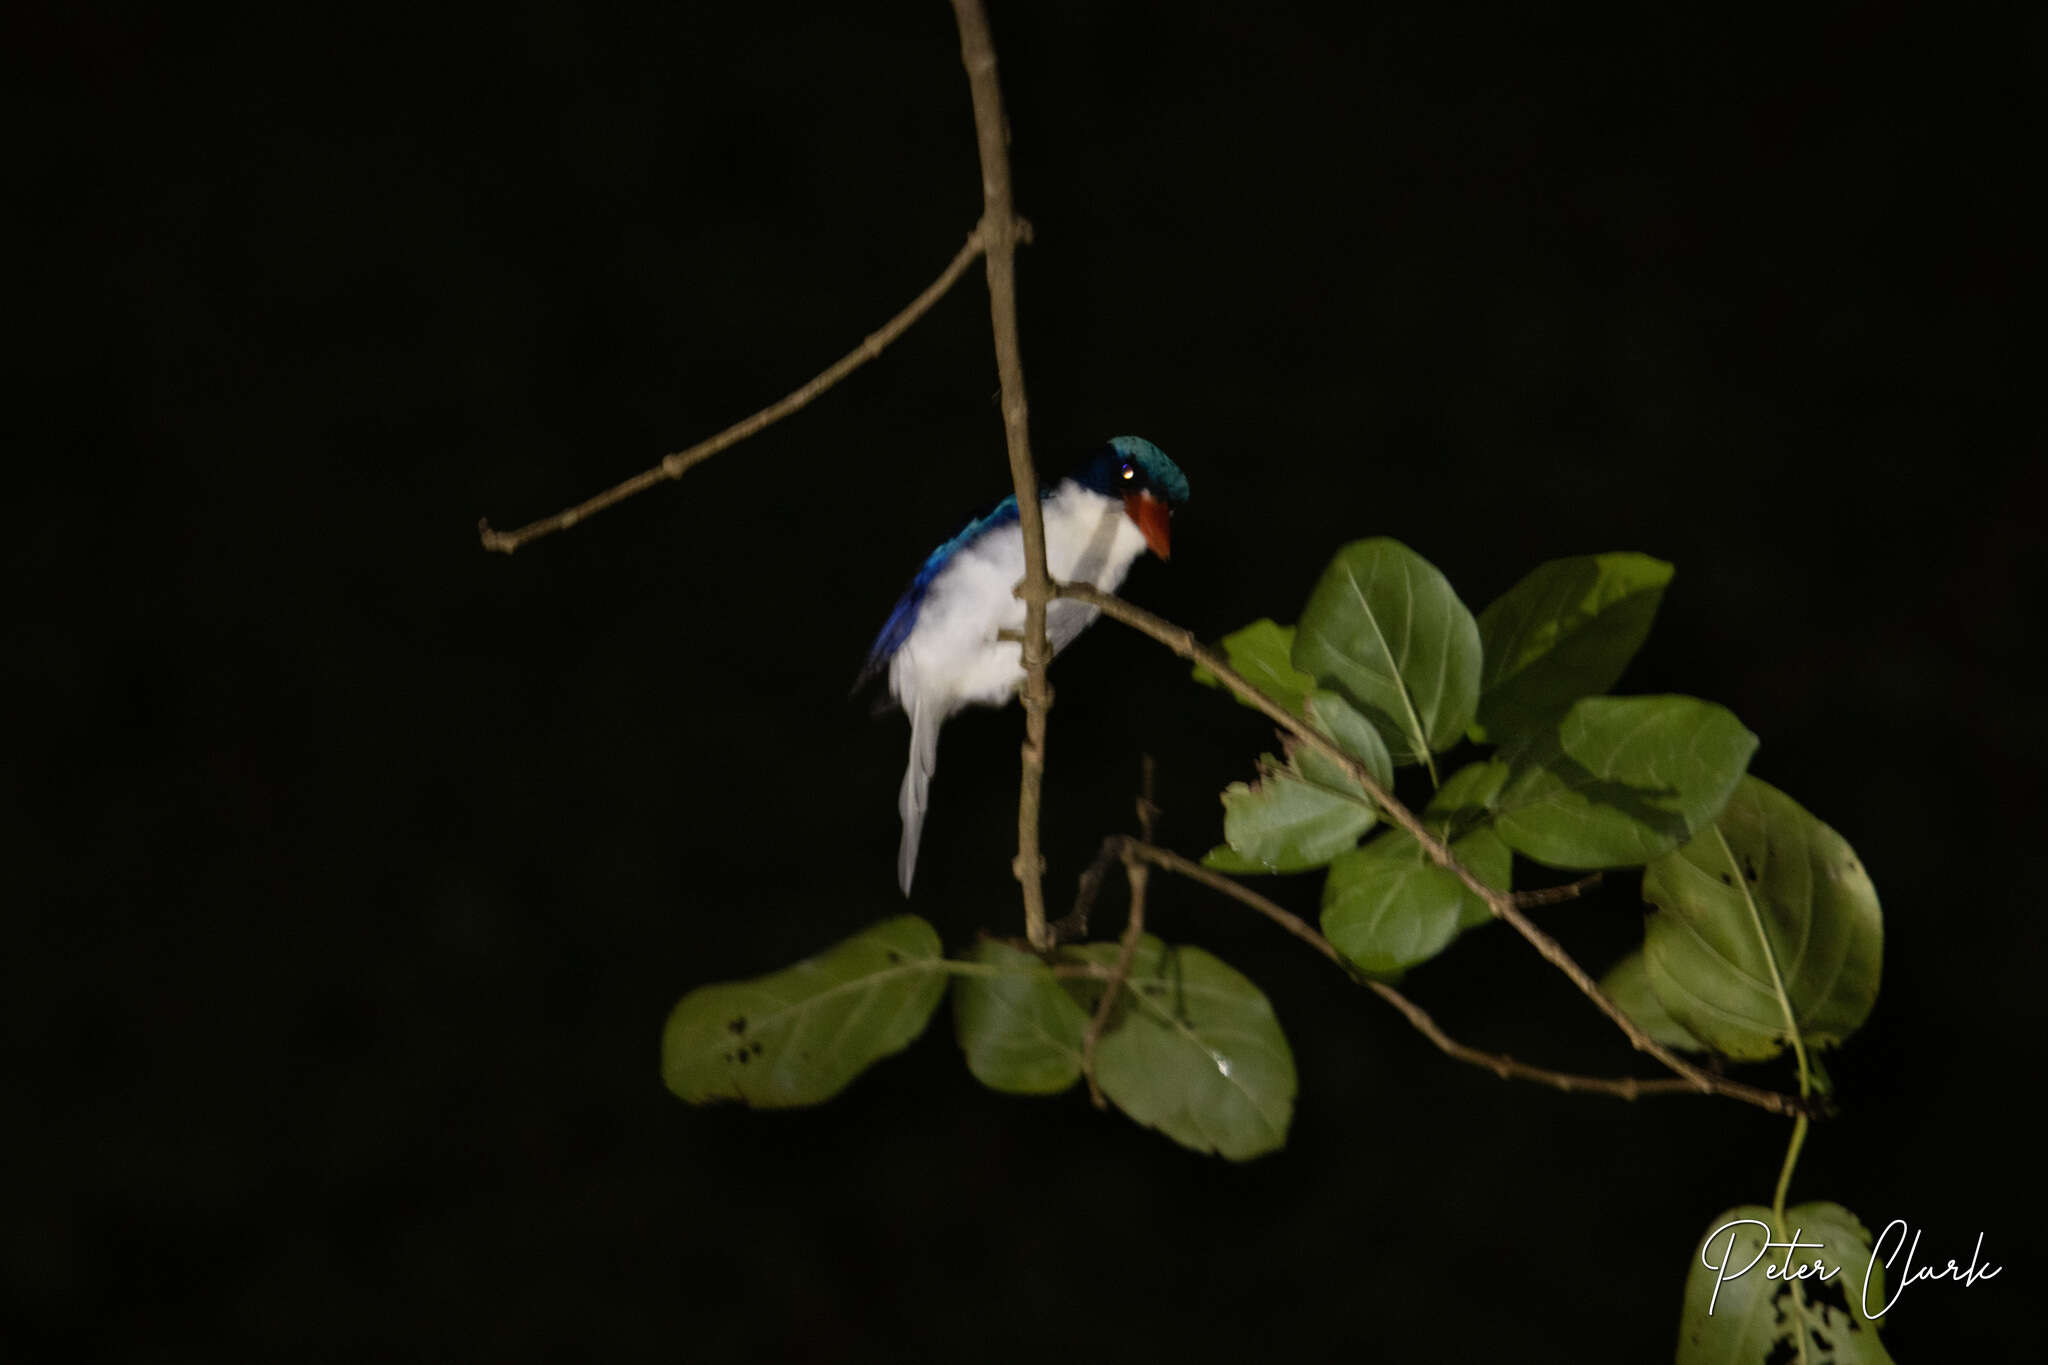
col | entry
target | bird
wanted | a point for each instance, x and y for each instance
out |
(940, 648)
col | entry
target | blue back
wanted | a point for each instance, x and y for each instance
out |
(897, 628)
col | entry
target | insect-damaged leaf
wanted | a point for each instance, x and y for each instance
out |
(1193, 1050)
(1302, 813)
(1736, 1314)
(1286, 823)
(800, 1035)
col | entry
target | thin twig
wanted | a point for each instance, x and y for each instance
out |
(674, 466)
(1216, 881)
(1140, 875)
(1182, 642)
(1074, 924)
(1127, 949)
(1557, 895)
(1000, 231)
(1506, 1067)
(1148, 797)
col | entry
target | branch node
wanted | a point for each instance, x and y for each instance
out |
(999, 231)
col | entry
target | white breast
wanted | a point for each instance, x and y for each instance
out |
(953, 658)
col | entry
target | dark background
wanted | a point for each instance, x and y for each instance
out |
(357, 869)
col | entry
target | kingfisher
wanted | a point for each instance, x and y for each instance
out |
(939, 646)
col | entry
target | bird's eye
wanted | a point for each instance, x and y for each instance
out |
(1129, 472)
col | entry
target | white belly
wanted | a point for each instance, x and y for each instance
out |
(952, 657)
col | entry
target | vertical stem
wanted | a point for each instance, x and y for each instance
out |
(1785, 1174)
(1778, 1228)
(1763, 938)
(999, 231)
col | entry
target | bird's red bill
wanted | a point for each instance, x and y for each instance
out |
(1152, 517)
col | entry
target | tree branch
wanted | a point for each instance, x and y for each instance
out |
(1127, 949)
(1506, 1067)
(674, 466)
(1501, 903)
(1000, 229)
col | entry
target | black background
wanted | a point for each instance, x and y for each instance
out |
(359, 868)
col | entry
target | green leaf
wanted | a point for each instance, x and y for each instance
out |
(1262, 652)
(1193, 1050)
(1465, 800)
(1756, 1317)
(1020, 1031)
(1564, 632)
(1621, 780)
(1312, 809)
(1286, 823)
(1766, 862)
(1486, 856)
(799, 1036)
(1627, 984)
(1387, 907)
(1352, 733)
(1224, 858)
(1384, 628)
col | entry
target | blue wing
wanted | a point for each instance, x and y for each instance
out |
(897, 628)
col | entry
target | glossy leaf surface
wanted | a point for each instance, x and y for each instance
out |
(1193, 1050)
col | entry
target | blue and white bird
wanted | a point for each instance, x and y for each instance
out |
(939, 645)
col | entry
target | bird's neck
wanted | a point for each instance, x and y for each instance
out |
(1088, 536)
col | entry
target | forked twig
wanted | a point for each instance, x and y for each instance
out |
(1502, 1065)
(1000, 231)
(1503, 904)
